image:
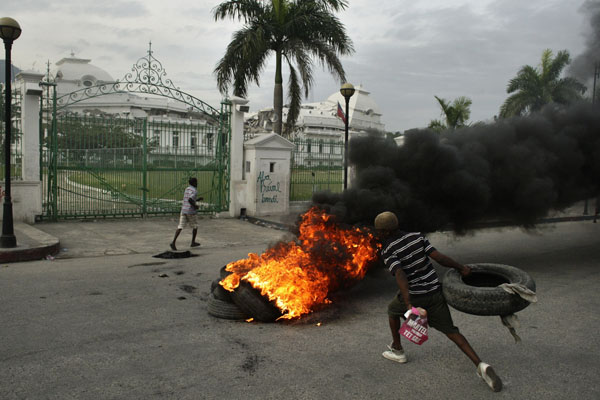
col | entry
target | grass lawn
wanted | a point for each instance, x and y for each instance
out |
(170, 184)
(160, 184)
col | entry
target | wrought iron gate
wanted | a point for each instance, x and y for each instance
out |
(101, 165)
(316, 166)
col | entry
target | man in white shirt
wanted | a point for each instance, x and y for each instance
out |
(189, 209)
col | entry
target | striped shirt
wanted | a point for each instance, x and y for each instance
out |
(190, 193)
(410, 251)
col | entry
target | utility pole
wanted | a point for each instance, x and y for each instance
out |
(596, 75)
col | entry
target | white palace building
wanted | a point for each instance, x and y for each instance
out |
(317, 122)
(320, 121)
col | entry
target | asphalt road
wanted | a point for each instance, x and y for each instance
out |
(99, 322)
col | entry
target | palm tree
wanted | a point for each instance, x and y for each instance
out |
(295, 31)
(455, 114)
(535, 87)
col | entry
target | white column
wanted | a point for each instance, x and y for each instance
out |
(28, 82)
(236, 154)
(27, 193)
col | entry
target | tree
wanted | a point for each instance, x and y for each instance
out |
(535, 87)
(295, 31)
(455, 114)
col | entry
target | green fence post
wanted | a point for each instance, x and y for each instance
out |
(144, 168)
(54, 156)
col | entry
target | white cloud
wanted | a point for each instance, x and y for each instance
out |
(406, 51)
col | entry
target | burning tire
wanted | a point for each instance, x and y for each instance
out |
(479, 294)
(219, 292)
(253, 303)
(222, 309)
(223, 273)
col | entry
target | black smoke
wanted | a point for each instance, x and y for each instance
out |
(515, 170)
(583, 65)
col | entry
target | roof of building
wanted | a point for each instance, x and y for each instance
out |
(79, 69)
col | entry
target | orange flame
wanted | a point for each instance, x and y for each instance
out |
(298, 275)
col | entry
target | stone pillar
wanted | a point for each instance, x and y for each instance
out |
(27, 193)
(28, 82)
(236, 153)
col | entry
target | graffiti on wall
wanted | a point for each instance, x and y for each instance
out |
(268, 188)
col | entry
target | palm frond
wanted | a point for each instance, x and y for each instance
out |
(240, 9)
(244, 60)
(295, 96)
(335, 5)
(296, 52)
(527, 79)
(515, 105)
(556, 67)
(568, 90)
(310, 22)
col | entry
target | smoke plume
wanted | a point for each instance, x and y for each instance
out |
(583, 65)
(515, 170)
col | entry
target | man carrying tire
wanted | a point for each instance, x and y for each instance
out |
(407, 257)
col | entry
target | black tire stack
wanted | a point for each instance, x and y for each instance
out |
(243, 303)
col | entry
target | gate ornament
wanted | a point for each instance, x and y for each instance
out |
(147, 76)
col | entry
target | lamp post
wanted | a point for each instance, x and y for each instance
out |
(596, 75)
(9, 32)
(347, 90)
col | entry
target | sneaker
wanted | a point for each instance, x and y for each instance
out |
(195, 244)
(486, 372)
(395, 355)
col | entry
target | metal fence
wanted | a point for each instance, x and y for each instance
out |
(317, 165)
(16, 152)
(99, 166)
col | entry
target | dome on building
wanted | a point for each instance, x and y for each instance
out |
(81, 72)
(360, 101)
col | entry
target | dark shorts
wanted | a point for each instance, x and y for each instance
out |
(438, 314)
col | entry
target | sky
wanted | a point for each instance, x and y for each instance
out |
(406, 52)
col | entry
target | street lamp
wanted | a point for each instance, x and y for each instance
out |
(9, 32)
(347, 90)
(585, 204)
(596, 75)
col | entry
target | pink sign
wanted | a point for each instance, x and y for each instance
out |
(414, 329)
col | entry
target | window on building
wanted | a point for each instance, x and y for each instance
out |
(209, 141)
(320, 146)
(308, 146)
(88, 80)
(272, 167)
(175, 139)
(193, 140)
